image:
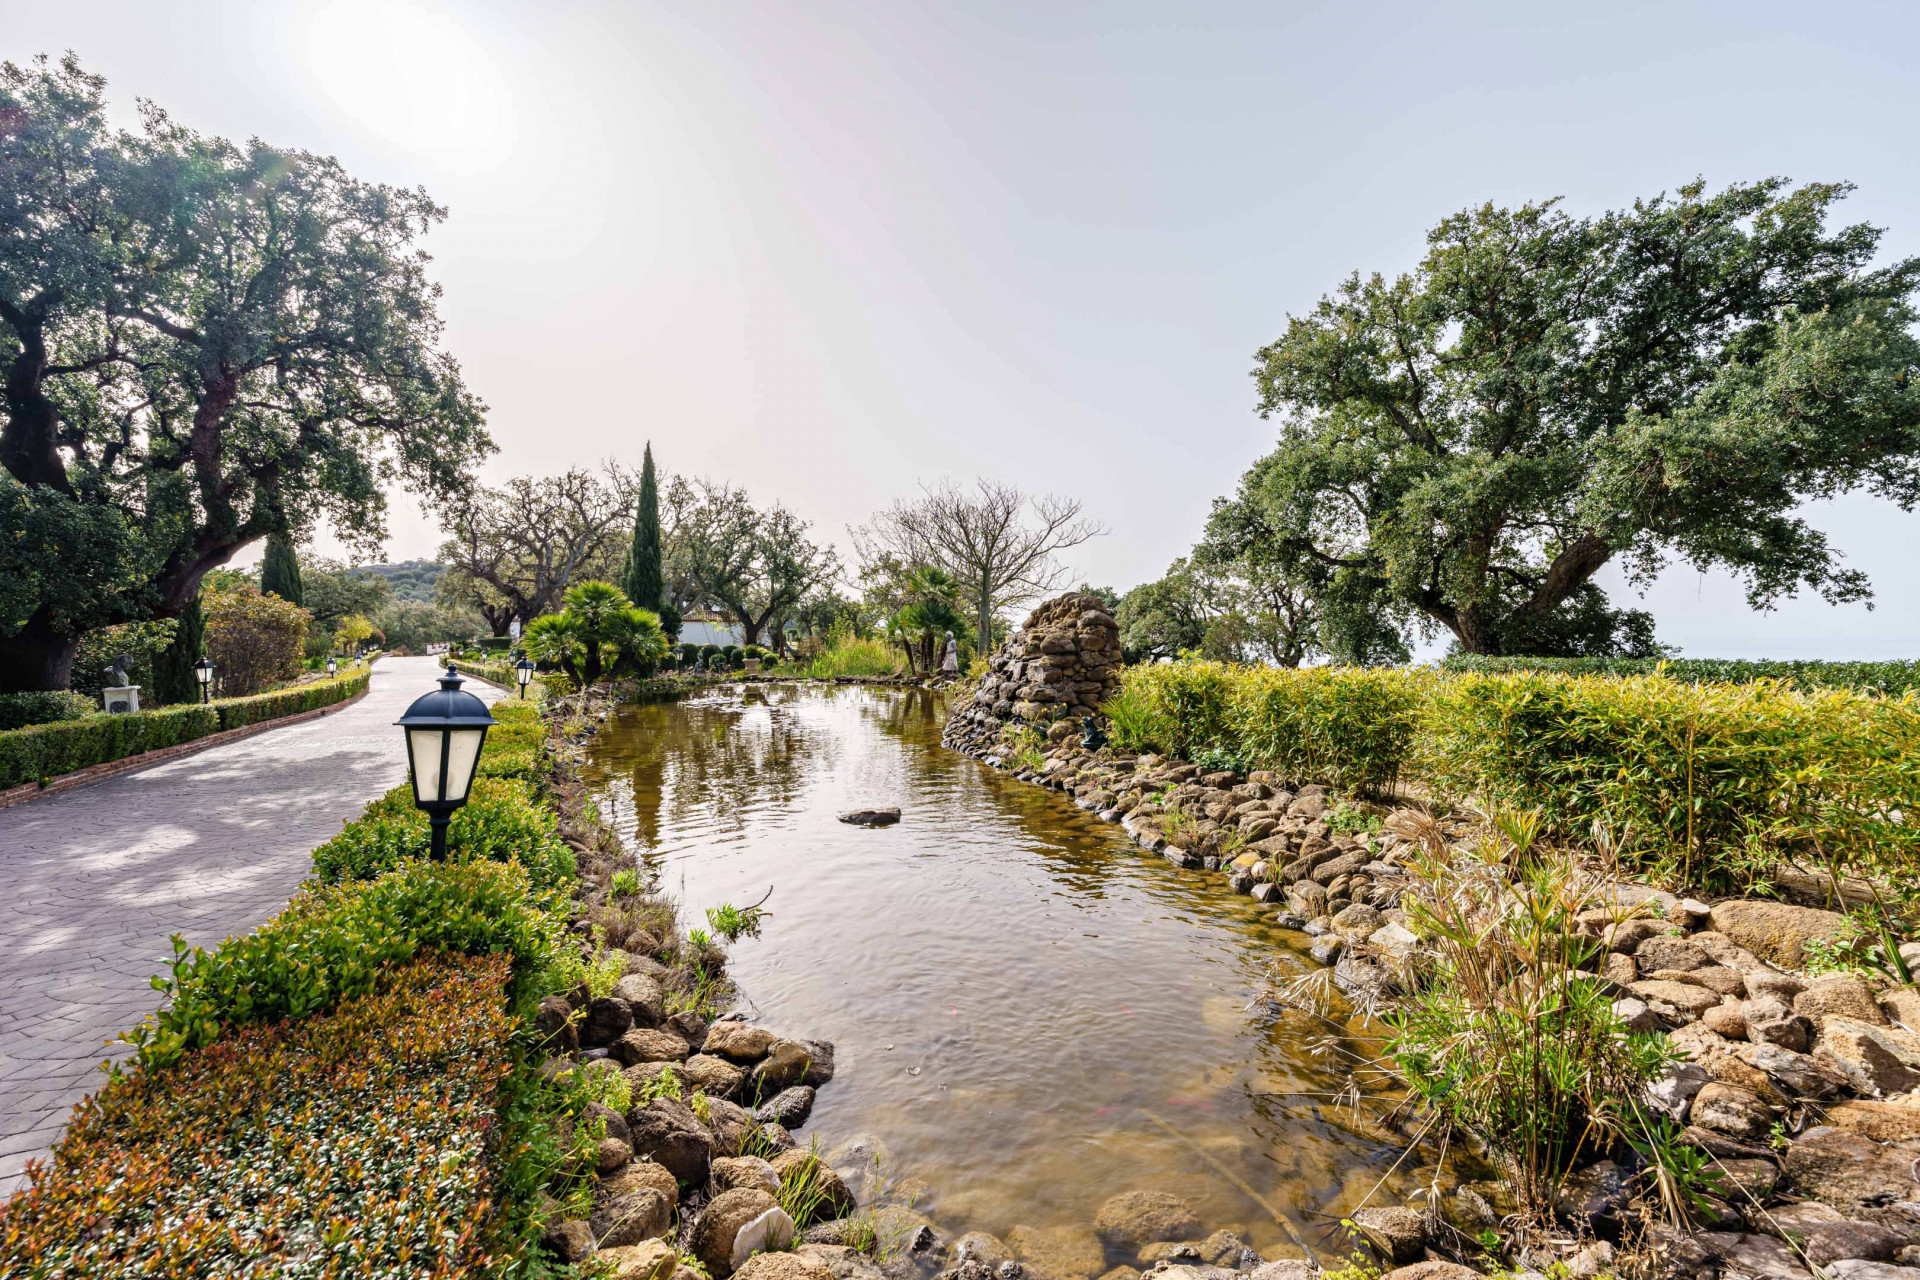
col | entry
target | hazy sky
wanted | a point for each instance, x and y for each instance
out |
(831, 250)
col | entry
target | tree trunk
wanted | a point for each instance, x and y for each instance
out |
(985, 615)
(36, 658)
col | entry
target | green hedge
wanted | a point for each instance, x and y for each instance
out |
(1892, 678)
(43, 706)
(501, 822)
(1708, 784)
(49, 750)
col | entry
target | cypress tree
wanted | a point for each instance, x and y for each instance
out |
(173, 679)
(280, 571)
(643, 578)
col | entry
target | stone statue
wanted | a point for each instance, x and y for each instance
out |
(950, 661)
(117, 672)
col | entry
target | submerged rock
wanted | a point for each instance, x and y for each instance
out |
(871, 817)
(1135, 1218)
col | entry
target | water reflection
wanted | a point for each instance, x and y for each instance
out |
(1031, 1015)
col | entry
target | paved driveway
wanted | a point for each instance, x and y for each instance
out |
(92, 883)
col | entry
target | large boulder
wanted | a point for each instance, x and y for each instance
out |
(1135, 1218)
(641, 1045)
(713, 1076)
(641, 1173)
(1839, 996)
(740, 1042)
(1876, 1060)
(608, 1018)
(1776, 931)
(644, 997)
(789, 1108)
(667, 1132)
(1732, 1110)
(730, 1173)
(784, 1065)
(648, 1260)
(734, 1225)
(784, 1266)
(641, 1213)
(1397, 1234)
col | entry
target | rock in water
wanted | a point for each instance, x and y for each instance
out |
(1141, 1217)
(871, 817)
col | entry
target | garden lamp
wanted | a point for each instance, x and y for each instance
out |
(333, 666)
(523, 672)
(445, 730)
(203, 672)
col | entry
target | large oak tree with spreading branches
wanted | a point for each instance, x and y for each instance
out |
(200, 344)
(1468, 444)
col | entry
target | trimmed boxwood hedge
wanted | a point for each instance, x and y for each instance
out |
(43, 706)
(44, 751)
(1890, 678)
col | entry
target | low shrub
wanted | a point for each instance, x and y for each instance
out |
(1707, 784)
(237, 713)
(509, 762)
(351, 1144)
(501, 822)
(335, 942)
(1890, 678)
(18, 710)
(1353, 727)
(48, 750)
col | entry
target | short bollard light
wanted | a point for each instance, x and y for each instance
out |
(333, 667)
(445, 731)
(523, 672)
(203, 672)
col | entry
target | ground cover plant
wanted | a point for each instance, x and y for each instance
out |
(351, 1144)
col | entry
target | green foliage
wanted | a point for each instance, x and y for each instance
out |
(501, 822)
(141, 642)
(356, 1143)
(18, 710)
(310, 696)
(1349, 819)
(255, 641)
(1354, 728)
(1505, 1035)
(334, 942)
(1890, 678)
(598, 632)
(734, 923)
(158, 276)
(848, 655)
(173, 678)
(280, 569)
(1471, 442)
(1708, 784)
(642, 577)
(625, 884)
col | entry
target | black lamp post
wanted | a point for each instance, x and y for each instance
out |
(333, 667)
(445, 731)
(523, 672)
(203, 672)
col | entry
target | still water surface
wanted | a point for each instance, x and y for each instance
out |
(1030, 1014)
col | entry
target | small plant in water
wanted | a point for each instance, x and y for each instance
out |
(734, 923)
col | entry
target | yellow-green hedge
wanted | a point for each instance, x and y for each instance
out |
(1711, 783)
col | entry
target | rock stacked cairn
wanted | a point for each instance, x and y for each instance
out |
(1063, 663)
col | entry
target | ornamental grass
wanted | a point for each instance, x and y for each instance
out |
(352, 1144)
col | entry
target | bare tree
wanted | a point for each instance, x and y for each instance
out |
(527, 541)
(997, 541)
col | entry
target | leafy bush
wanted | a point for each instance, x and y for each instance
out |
(142, 642)
(733, 654)
(1709, 783)
(1890, 678)
(255, 641)
(1353, 727)
(335, 942)
(501, 822)
(690, 655)
(18, 710)
(509, 762)
(355, 1143)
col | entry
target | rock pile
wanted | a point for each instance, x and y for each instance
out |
(1065, 661)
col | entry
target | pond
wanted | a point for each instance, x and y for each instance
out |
(1030, 1014)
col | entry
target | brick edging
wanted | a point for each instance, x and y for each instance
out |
(162, 755)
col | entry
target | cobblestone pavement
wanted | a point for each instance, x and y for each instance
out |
(95, 880)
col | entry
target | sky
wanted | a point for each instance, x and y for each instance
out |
(833, 251)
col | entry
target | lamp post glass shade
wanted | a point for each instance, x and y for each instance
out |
(523, 672)
(203, 672)
(445, 731)
(333, 666)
